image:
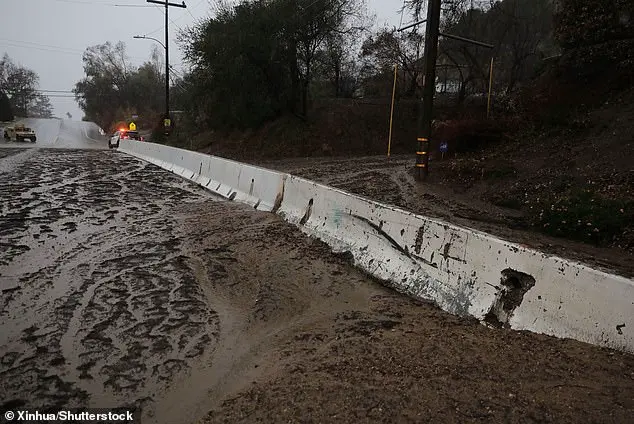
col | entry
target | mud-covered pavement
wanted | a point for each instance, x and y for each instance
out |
(122, 284)
(97, 300)
(58, 133)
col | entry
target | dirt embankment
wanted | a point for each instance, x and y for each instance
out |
(304, 337)
(553, 170)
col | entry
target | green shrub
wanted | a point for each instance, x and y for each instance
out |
(583, 215)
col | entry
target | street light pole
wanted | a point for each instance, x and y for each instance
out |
(167, 100)
(167, 121)
(167, 70)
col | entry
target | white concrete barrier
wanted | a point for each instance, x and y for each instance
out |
(468, 272)
(464, 271)
(258, 187)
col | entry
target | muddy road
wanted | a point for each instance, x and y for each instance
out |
(59, 134)
(93, 280)
(122, 284)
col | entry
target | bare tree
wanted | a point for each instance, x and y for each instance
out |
(41, 107)
(313, 24)
(386, 48)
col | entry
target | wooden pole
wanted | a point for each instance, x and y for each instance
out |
(490, 88)
(429, 87)
(389, 142)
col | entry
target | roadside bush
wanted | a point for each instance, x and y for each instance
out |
(583, 215)
(468, 135)
(585, 22)
(158, 135)
(6, 114)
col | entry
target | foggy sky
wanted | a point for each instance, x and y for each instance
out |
(50, 36)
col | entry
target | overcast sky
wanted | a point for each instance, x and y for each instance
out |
(49, 36)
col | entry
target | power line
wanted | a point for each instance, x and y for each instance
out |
(159, 28)
(178, 73)
(48, 48)
(171, 20)
(402, 10)
(176, 19)
(41, 45)
(194, 7)
(98, 3)
(39, 48)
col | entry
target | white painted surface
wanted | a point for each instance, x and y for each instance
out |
(459, 269)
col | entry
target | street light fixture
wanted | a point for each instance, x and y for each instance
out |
(145, 37)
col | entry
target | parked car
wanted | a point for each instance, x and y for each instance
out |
(123, 134)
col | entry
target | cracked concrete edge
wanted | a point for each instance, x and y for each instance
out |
(463, 271)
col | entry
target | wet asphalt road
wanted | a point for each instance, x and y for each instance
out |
(60, 134)
(92, 279)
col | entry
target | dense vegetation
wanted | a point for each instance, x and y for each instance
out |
(303, 77)
(259, 59)
(113, 90)
(6, 112)
(19, 94)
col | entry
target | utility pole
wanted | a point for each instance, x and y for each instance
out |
(432, 32)
(167, 122)
(429, 88)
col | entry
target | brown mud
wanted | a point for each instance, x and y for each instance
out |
(392, 182)
(122, 284)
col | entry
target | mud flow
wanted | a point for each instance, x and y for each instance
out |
(122, 284)
(98, 302)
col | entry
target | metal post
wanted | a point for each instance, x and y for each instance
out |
(167, 65)
(490, 87)
(389, 142)
(429, 87)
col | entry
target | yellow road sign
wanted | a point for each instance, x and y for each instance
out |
(132, 126)
(167, 122)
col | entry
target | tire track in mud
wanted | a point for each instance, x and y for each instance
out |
(5, 153)
(98, 305)
(136, 287)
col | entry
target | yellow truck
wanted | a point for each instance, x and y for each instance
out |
(19, 132)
